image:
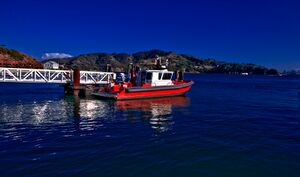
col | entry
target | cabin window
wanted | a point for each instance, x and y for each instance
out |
(159, 76)
(149, 76)
(167, 76)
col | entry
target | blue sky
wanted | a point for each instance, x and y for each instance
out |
(261, 32)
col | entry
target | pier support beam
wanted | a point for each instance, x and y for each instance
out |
(76, 81)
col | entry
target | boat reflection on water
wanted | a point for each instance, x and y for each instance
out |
(158, 111)
(72, 114)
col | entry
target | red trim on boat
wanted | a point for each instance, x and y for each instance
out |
(179, 88)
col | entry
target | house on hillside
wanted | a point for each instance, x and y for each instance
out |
(51, 65)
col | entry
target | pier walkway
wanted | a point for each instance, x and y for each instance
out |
(27, 75)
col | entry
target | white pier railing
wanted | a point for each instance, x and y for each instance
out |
(94, 77)
(53, 76)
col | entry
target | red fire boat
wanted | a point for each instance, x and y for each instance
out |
(146, 84)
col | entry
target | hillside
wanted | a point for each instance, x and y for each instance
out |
(14, 58)
(120, 61)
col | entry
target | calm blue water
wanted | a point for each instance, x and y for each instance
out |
(225, 126)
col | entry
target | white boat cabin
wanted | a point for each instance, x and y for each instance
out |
(155, 77)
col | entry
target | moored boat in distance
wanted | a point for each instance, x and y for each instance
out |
(147, 83)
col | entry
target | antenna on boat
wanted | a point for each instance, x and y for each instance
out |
(108, 68)
(157, 61)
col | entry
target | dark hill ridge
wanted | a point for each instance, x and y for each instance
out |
(14, 58)
(120, 61)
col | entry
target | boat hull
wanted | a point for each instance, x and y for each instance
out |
(147, 92)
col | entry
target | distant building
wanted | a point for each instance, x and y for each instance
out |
(51, 65)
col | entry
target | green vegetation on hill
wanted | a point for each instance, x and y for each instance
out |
(14, 54)
(120, 62)
(17, 59)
